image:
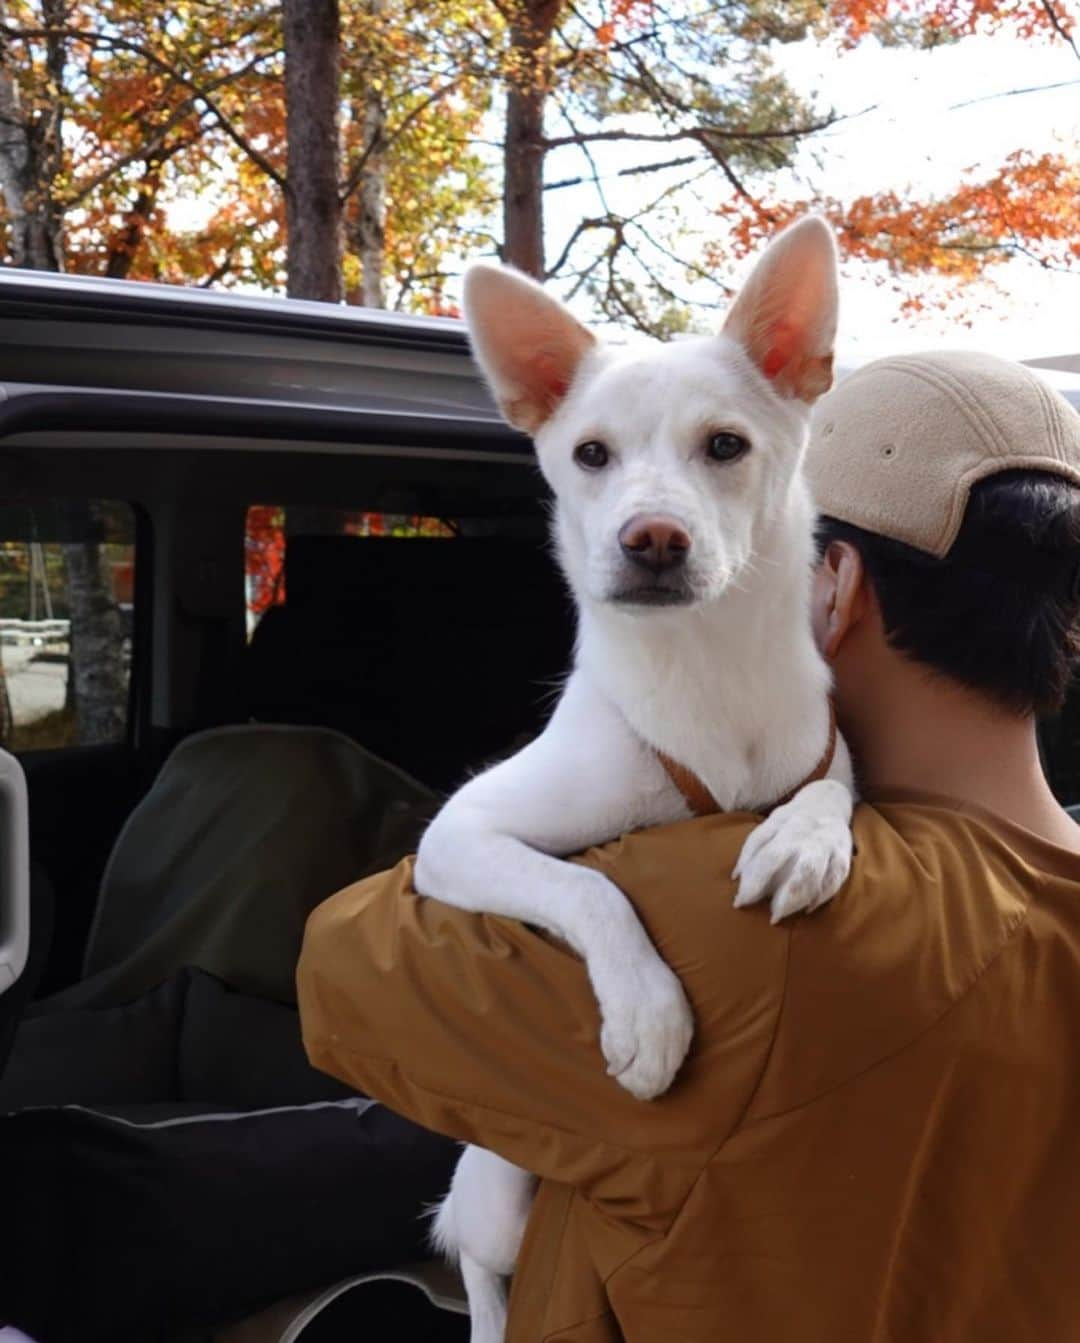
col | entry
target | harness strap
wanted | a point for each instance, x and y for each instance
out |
(702, 803)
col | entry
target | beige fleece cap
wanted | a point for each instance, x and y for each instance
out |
(897, 446)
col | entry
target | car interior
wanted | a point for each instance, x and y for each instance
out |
(434, 653)
(275, 746)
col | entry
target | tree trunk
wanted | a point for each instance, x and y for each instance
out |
(313, 211)
(31, 155)
(96, 667)
(371, 214)
(523, 159)
(368, 237)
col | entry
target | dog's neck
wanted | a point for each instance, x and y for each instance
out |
(734, 690)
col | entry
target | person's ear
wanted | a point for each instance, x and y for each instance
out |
(841, 600)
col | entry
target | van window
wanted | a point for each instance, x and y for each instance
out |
(432, 641)
(269, 525)
(67, 576)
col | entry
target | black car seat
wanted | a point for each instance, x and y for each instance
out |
(242, 833)
(436, 654)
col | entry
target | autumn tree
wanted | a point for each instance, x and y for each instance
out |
(416, 186)
(166, 105)
(97, 685)
(693, 90)
(1023, 208)
(690, 84)
(1026, 208)
(100, 102)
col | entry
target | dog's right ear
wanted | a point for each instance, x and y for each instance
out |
(528, 345)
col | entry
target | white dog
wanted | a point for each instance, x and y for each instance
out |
(685, 530)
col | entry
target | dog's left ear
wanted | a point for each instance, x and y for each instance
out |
(785, 314)
(528, 345)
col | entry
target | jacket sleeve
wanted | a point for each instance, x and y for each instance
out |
(482, 1029)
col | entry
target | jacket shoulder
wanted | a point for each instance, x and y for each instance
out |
(934, 896)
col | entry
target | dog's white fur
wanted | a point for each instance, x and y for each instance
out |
(729, 682)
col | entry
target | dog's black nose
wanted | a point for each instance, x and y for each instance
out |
(655, 542)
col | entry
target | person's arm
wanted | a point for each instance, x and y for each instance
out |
(482, 1029)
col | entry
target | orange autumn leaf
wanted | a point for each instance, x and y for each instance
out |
(950, 19)
(1026, 208)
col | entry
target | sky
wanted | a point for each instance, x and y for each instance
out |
(906, 125)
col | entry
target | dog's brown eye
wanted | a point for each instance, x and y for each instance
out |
(726, 447)
(592, 455)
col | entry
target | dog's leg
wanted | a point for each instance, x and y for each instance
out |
(490, 849)
(800, 855)
(487, 1301)
(479, 1225)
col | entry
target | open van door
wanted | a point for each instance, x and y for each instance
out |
(14, 873)
(14, 892)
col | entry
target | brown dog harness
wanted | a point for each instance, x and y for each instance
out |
(702, 803)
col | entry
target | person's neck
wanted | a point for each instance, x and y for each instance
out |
(932, 736)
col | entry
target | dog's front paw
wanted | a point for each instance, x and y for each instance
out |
(646, 1021)
(800, 855)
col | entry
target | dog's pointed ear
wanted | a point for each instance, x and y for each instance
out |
(785, 314)
(527, 344)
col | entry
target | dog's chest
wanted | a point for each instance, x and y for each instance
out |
(745, 739)
(726, 761)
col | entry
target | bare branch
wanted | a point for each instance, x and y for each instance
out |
(583, 226)
(1059, 27)
(1013, 93)
(627, 172)
(702, 134)
(1043, 262)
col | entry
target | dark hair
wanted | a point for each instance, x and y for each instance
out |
(1001, 611)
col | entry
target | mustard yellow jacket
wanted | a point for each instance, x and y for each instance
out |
(876, 1135)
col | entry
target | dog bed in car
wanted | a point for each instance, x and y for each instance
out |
(178, 1219)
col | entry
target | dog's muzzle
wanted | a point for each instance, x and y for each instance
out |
(655, 547)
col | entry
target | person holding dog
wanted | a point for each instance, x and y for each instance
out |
(874, 1136)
